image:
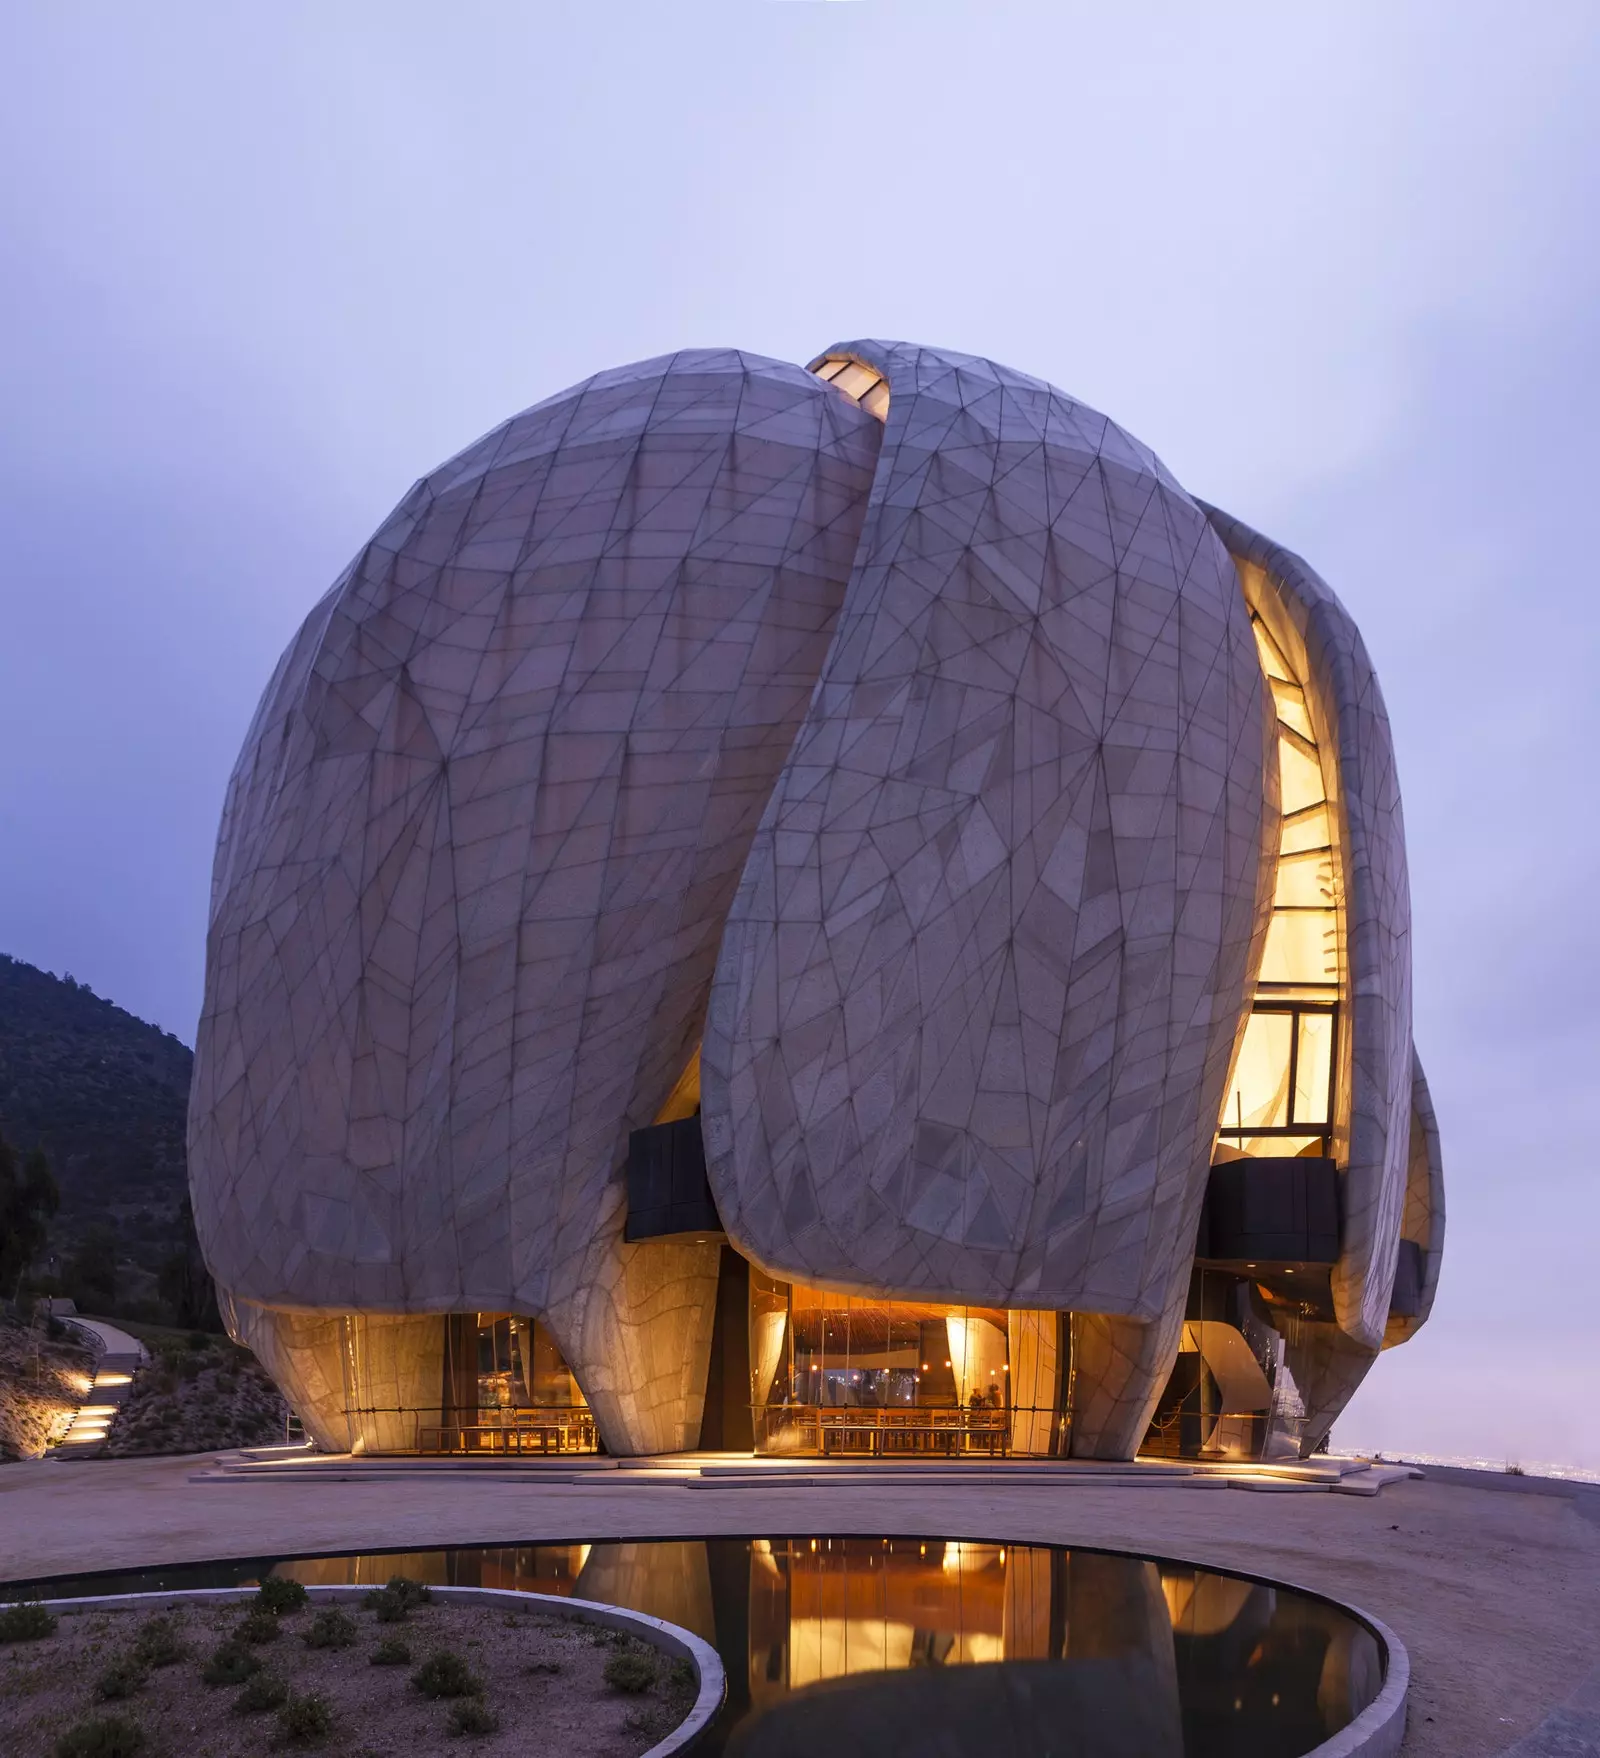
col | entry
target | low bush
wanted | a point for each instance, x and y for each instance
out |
(257, 1625)
(26, 1623)
(229, 1664)
(391, 1651)
(279, 1595)
(682, 1675)
(391, 1603)
(330, 1629)
(262, 1690)
(446, 1675)
(302, 1721)
(630, 1673)
(158, 1643)
(472, 1716)
(102, 1736)
(386, 1607)
(543, 1666)
(121, 1679)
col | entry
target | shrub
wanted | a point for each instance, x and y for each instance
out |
(391, 1651)
(229, 1664)
(391, 1603)
(121, 1679)
(630, 1673)
(262, 1690)
(101, 1736)
(330, 1629)
(279, 1595)
(472, 1716)
(157, 1643)
(304, 1720)
(199, 1341)
(257, 1625)
(543, 1666)
(26, 1623)
(681, 1674)
(386, 1607)
(446, 1675)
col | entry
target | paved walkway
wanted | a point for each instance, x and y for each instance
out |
(120, 1355)
(1496, 1595)
(1570, 1731)
(113, 1339)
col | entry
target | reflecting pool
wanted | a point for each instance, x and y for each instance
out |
(888, 1647)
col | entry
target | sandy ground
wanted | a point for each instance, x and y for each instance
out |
(1496, 1594)
(542, 1677)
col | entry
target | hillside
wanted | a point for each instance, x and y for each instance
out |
(105, 1095)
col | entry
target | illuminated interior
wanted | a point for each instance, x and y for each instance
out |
(507, 1388)
(859, 382)
(843, 1373)
(1280, 1101)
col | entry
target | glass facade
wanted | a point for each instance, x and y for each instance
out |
(1231, 1394)
(1282, 1094)
(507, 1389)
(842, 1373)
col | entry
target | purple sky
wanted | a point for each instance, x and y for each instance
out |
(261, 268)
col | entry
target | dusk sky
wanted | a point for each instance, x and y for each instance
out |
(1338, 264)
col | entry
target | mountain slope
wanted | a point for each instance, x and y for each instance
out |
(106, 1096)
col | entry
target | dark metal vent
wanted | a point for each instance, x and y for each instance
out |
(1406, 1300)
(667, 1189)
(1271, 1211)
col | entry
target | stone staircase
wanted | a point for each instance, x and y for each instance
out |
(728, 1471)
(120, 1357)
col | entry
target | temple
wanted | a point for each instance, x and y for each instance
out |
(814, 910)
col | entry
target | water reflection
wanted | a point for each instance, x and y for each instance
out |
(863, 1646)
(888, 1647)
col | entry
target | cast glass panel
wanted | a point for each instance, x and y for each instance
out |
(1313, 1068)
(1302, 947)
(1307, 830)
(860, 383)
(1299, 775)
(1305, 881)
(1260, 1093)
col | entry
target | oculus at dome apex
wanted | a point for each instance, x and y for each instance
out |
(819, 909)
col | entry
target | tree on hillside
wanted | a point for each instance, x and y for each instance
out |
(92, 1270)
(28, 1198)
(185, 1282)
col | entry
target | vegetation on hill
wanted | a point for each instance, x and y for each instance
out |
(102, 1099)
(44, 1373)
(94, 1206)
(197, 1394)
